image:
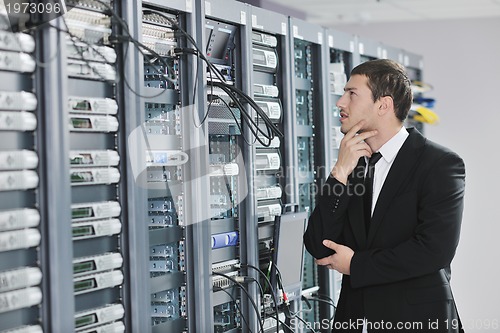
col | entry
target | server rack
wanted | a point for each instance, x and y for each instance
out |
(95, 112)
(414, 67)
(23, 271)
(393, 53)
(338, 60)
(307, 112)
(366, 49)
(270, 85)
(227, 47)
(166, 175)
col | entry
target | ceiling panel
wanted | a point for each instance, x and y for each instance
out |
(335, 12)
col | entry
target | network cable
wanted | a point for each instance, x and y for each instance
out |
(252, 301)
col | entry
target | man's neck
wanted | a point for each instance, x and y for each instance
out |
(383, 135)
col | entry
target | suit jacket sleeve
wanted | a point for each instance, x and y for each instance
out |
(434, 241)
(328, 218)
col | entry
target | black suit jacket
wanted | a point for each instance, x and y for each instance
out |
(400, 271)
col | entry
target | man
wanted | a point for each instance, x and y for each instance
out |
(393, 241)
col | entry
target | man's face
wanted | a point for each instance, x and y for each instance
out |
(356, 104)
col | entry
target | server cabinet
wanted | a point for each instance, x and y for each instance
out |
(273, 178)
(166, 166)
(96, 155)
(227, 46)
(338, 60)
(22, 269)
(307, 113)
(414, 67)
(366, 49)
(393, 53)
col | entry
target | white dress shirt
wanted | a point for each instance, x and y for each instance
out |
(389, 151)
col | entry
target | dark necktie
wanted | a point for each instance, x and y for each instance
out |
(368, 197)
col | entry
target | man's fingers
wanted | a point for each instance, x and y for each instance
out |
(330, 244)
(355, 129)
(365, 135)
(323, 261)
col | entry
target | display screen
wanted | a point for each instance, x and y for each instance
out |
(83, 231)
(85, 320)
(84, 285)
(83, 212)
(218, 44)
(81, 159)
(86, 266)
(82, 106)
(82, 177)
(81, 122)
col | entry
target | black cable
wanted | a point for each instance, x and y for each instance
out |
(323, 301)
(237, 306)
(254, 105)
(273, 294)
(247, 118)
(248, 296)
(190, 39)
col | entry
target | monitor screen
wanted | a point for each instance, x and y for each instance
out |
(291, 248)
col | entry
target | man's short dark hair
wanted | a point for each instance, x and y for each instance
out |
(388, 78)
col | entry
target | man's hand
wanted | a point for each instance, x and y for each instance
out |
(339, 261)
(352, 147)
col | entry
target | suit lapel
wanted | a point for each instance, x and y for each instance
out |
(355, 211)
(398, 174)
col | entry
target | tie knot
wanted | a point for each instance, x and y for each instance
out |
(374, 159)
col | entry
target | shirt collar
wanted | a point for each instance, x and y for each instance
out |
(391, 148)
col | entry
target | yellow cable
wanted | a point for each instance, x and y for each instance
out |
(425, 115)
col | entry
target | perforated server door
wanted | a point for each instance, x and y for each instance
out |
(20, 219)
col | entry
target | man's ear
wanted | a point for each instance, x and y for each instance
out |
(386, 105)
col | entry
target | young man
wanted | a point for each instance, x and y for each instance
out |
(393, 241)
